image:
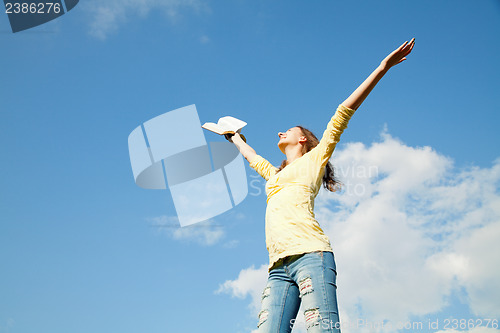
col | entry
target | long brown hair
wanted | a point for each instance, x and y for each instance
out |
(330, 182)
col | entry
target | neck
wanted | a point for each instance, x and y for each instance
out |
(293, 153)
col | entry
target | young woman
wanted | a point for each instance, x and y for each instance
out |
(301, 261)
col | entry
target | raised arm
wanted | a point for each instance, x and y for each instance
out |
(257, 162)
(245, 149)
(396, 57)
(338, 123)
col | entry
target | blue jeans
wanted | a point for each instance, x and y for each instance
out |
(309, 278)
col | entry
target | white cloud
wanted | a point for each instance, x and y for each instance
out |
(407, 231)
(479, 271)
(107, 16)
(204, 233)
(250, 281)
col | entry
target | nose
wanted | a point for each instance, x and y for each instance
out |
(280, 134)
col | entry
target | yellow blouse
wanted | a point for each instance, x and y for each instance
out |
(291, 227)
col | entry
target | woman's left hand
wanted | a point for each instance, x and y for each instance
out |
(398, 55)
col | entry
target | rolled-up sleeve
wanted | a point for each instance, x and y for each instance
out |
(338, 123)
(262, 166)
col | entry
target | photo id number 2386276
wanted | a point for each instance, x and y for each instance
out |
(32, 8)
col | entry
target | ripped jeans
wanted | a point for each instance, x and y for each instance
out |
(310, 278)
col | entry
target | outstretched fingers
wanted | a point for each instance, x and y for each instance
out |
(409, 46)
(405, 49)
(402, 46)
(398, 55)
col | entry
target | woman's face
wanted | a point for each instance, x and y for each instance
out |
(293, 136)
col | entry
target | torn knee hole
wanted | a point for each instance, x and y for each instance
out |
(312, 317)
(262, 317)
(305, 286)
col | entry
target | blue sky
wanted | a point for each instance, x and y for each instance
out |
(83, 249)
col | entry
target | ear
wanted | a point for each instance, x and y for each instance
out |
(302, 139)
